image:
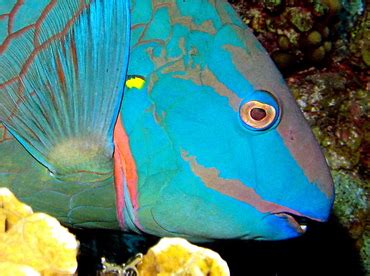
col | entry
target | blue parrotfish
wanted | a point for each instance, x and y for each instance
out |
(164, 117)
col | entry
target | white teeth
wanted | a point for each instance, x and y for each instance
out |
(304, 228)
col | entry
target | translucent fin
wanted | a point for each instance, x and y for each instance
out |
(61, 82)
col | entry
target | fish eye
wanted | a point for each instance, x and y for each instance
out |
(260, 111)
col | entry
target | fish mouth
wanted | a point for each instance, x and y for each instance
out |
(297, 222)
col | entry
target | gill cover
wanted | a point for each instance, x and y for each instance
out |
(63, 65)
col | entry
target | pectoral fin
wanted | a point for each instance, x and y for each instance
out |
(61, 84)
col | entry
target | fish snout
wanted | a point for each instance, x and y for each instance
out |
(305, 150)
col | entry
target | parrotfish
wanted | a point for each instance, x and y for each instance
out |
(162, 117)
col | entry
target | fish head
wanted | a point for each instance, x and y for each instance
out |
(221, 147)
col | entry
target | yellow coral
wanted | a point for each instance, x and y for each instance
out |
(11, 210)
(11, 269)
(32, 239)
(176, 256)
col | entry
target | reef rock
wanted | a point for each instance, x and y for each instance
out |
(33, 243)
(176, 256)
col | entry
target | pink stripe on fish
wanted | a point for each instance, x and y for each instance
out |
(236, 189)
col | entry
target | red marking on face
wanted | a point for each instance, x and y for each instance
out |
(124, 170)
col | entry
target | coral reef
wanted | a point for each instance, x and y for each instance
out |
(298, 33)
(335, 101)
(176, 256)
(33, 243)
(351, 209)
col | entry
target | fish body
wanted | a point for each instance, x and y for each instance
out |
(209, 145)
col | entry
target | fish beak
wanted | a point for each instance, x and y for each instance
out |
(299, 223)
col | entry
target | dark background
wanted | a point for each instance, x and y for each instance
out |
(326, 249)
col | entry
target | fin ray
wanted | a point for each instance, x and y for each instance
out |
(63, 93)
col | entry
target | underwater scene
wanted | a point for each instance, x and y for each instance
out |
(184, 137)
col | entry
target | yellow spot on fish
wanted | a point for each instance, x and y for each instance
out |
(137, 82)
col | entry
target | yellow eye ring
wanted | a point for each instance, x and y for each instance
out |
(258, 115)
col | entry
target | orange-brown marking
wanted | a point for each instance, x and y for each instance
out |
(10, 37)
(12, 14)
(41, 47)
(41, 19)
(234, 188)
